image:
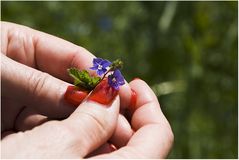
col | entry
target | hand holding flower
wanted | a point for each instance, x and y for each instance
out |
(84, 83)
(32, 97)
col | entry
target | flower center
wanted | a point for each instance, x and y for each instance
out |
(100, 67)
(114, 80)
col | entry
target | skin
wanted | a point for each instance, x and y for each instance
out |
(37, 123)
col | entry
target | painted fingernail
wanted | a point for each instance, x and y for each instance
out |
(133, 99)
(103, 93)
(112, 148)
(132, 106)
(74, 95)
(136, 78)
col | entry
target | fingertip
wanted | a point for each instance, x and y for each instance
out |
(149, 113)
(136, 80)
(125, 94)
(144, 93)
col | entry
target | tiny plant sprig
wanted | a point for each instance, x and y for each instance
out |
(84, 80)
(117, 64)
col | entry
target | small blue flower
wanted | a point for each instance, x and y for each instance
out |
(116, 79)
(100, 65)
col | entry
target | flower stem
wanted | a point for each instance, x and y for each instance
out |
(117, 64)
(105, 75)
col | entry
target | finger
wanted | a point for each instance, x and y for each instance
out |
(43, 51)
(6, 133)
(98, 119)
(122, 133)
(10, 110)
(125, 94)
(28, 119)
(35, 88)
(153, 137)
(89, 127)
(39, 50)
(31, 87)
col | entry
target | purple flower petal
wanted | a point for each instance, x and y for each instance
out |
(116, 79)
(105, 63)
(100, 72)
(94, 68)
(100, 65)
(121, 82)
(97, 60)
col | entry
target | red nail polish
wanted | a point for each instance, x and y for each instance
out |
(74, 95)
(133, 100)
(132, 106)
(103, 93)
(112, 148)
(136, 78)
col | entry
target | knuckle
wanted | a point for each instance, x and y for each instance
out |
(93, 123)
(61, 134)
(95, 126)
(99, 123)
(37, 81)
(93, 130)
(74, 60)
(62, 131)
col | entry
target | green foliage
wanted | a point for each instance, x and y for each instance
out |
(117, 64)
(187, 52)
(83, 79)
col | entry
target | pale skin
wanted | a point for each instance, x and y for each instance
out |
(38, 123)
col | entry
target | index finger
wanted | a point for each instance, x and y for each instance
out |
(43, 51)
(48, 53)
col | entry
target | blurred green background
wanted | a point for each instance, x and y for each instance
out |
(186, 51)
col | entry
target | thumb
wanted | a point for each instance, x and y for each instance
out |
(95, 119)
(87, 128)
(33, 88)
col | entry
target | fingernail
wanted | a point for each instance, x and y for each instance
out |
(74, 95)
(103, 93)
(133, 99)
(136, 78)
(132, 106)
(112, 148)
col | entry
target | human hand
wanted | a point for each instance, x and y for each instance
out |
(37, 98)
(152, 137)
(31, 97)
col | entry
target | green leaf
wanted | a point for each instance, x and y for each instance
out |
(94, 81)
(83, 79)
(117, 64)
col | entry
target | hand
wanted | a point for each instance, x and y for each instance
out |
(34, 80)
(153, 137)
(31, 97)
